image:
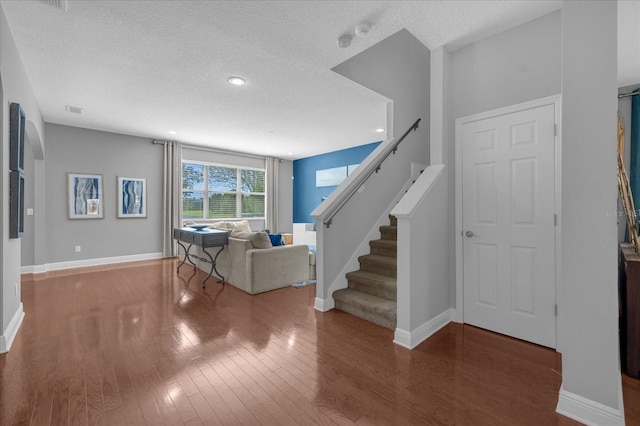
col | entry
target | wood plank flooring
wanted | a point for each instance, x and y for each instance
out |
(137, 344)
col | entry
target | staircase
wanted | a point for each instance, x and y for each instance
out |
(371, 294)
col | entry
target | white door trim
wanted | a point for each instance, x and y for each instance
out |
(551, 100)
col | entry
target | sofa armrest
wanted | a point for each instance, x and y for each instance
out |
(234, 263)
(277, 267)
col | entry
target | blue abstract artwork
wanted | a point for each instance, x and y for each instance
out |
(132, 197)
(85, 196)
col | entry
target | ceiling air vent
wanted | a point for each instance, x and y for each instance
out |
(60, 4)
(73, 109)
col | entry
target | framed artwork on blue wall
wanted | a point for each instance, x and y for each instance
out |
(85, 198)
(132, 197)
(331, 177)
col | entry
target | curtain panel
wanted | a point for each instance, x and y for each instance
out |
(272, 166)
(171, 196)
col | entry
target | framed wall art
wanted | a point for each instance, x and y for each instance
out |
(17, 122)
(16, 204)
(132, 197)
(85, 196)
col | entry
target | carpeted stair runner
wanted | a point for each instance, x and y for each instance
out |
(371, 294)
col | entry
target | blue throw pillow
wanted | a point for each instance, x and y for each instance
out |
(276, 239)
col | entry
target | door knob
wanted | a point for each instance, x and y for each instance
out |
(470, 234)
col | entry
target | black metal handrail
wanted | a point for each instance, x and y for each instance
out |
(375, 169)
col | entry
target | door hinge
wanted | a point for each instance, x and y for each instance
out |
(555, 130)
(555, 220)
(555, 309)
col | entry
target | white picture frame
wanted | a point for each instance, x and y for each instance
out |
(132, 197)
(85, 198)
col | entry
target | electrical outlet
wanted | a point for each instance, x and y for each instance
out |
(29, 212)
(77, 249)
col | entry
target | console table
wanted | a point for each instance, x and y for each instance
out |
(204, 238)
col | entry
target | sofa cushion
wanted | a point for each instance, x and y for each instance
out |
(242, 225)
(220, 225)
(236, 225)
(259, 240)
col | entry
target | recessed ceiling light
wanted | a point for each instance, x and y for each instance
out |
(380, 130)
(289, 153)
(237, 81)
(172, 132)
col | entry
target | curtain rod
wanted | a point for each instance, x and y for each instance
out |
(624, 95)
(205, 148)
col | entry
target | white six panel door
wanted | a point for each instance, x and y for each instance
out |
(508, 196)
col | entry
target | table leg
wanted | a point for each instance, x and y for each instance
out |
(213, 260)
(186, 256)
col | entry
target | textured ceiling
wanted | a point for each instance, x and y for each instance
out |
(147, 67)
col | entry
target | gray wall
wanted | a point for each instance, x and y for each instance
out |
(15, 88)
(518, 65)
(589, 309)
(515, 66)
(398, 68)
(76, 150)
(285, 197)
(28, 238)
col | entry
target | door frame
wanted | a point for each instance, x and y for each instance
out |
(556, 101)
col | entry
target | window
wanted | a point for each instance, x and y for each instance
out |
(211, 191)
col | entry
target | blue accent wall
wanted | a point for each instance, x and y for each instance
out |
(306, 197)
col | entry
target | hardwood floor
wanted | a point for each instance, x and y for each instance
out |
(138, 344)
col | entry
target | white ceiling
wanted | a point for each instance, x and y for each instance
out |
(147, 67)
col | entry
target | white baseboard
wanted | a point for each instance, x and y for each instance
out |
(6, 340)
(587, 411)
(36, 269)
(33, 269)
(324, 305)
(456, 315)
(411, 339)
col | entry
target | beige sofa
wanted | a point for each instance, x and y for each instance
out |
(250, 263)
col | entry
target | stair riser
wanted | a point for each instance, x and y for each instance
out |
(386, 270)
(387, 321)
(383, 251)
(388, 233)
(374, 289)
